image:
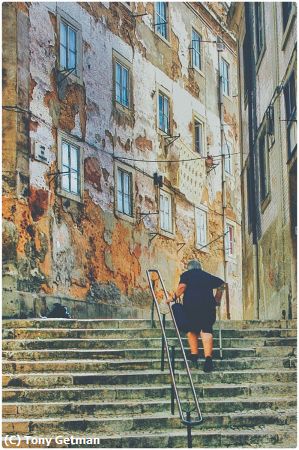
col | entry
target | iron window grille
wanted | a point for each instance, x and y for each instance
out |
(164, 113)
(161, 19)
(70, 178)
(68, 47)
(122, 84)
(166, 211)
(224, 73)
(196, 50)
(124, 192)
(291, 111)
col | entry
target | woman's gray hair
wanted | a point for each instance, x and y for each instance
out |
(194, 264)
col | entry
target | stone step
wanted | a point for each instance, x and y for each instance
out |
(152, 353)
(145, 353)
(144, 392)
(143, 422)
(139, 364)
(77, 333)
(137, 323)
(44, 333)
(91, 343)
(269, 436)
(125, 407)
(145, 377)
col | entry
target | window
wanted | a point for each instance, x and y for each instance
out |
(121, 84)
(165, 211)
(259, 28)
(161, 19)
(227, 157)
(201, 227)
(286, 12)
(264, 166)
(124, 192)
(229, 240)
(196, 51)
(291, 109)
(70, 168)
(224, 73)
(246, 67)
(70, 45)
(163, 112)
(198, 137)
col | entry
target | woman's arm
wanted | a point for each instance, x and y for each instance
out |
(180, 290)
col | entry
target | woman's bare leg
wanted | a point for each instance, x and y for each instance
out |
(207, 342)
(193, 342)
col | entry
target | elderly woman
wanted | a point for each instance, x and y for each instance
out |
(200, 307)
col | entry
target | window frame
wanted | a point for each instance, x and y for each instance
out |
(199, 119)
(259, 31)
(230, 159)
(199, 244)
(200, 68)
(64, 138)
(118, 166)
(264, 169)
(167, 232)
(117, 58)
(231, 254)
(164, 93)
(62, 16)
(222, 63)
(166, 23)
(288, 26)
(290, 112)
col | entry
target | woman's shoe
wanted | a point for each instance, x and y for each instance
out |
(208, 365)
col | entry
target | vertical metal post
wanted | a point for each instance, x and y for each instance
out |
(152, 314)
(220, 332)
(189, 429)
(172, 387)
(163, 344)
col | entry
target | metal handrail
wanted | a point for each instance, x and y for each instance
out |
(186, 421)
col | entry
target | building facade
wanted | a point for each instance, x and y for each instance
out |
(266, 34)
(120, 153)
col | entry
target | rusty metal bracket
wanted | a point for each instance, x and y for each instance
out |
(153, 237)
(182, 244)
(143, 215)
(66, 73)
(213, 167)
(171, 139)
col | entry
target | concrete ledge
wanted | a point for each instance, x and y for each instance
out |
(23, 305)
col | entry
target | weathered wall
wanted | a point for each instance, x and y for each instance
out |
(269, 275)
(84, 253)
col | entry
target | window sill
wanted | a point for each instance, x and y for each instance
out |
(288, 28)
(70, 196)
(167, 234)
(72, 77)
(125, 217)
(228, 97)
(199, 71)
(200, 249)
(166, 41)
(265, 203)
(163, 133)
(124, 109)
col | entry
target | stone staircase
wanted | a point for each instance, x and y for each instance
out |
(102, 378)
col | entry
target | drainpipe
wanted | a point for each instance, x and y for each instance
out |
(252, 127)
(223, 181)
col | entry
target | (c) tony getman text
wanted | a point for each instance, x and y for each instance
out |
(74, 440)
